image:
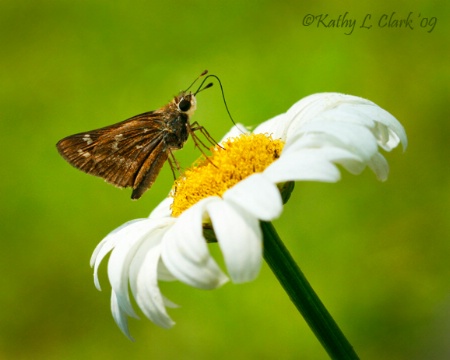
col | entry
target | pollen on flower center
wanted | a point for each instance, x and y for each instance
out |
(237, 159)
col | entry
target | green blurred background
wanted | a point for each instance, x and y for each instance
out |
(376, 253)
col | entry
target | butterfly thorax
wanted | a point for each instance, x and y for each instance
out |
(175, 117)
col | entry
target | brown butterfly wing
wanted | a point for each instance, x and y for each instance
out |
(122, 153)
(150, 169)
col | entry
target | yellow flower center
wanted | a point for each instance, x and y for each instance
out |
(237, 159)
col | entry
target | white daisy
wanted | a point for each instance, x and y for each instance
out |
(225, 198)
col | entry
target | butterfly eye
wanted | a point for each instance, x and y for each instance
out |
(184, 105)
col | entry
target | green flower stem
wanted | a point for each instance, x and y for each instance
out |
(303, 296)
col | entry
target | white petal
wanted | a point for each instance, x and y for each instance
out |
(352, 162)
(144, 280)
(391, 137)
(185, 251)
(258, 196)
(331, 121)
(164, 274)
(240, 239)
(384, 120)
(108, 243)
(355, 138)
(169, 303)
(349, 112)
(163, 209)
(309, 108)
(119, 316)
(387, 129)
(346, 108)
(235, 131)
(379, 166)
(307, 165)
(276, 127)
(122, 256)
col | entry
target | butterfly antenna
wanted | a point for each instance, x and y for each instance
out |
(198, 77)
(221, 89)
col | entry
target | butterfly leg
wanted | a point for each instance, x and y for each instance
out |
(195, 126)
(174, 164)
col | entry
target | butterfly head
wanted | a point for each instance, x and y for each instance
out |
(186, 103)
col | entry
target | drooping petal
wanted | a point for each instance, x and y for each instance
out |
(108, 243)
(240, 239)
(352, 127)
(352, 137)
(119, 316)
(123, 255)
(347, 108)
(185, 252)
(164, 274)
(379, 166)
(169, 304)
(393, 138)
(144, 280)
(258, 196)
(387, 128)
